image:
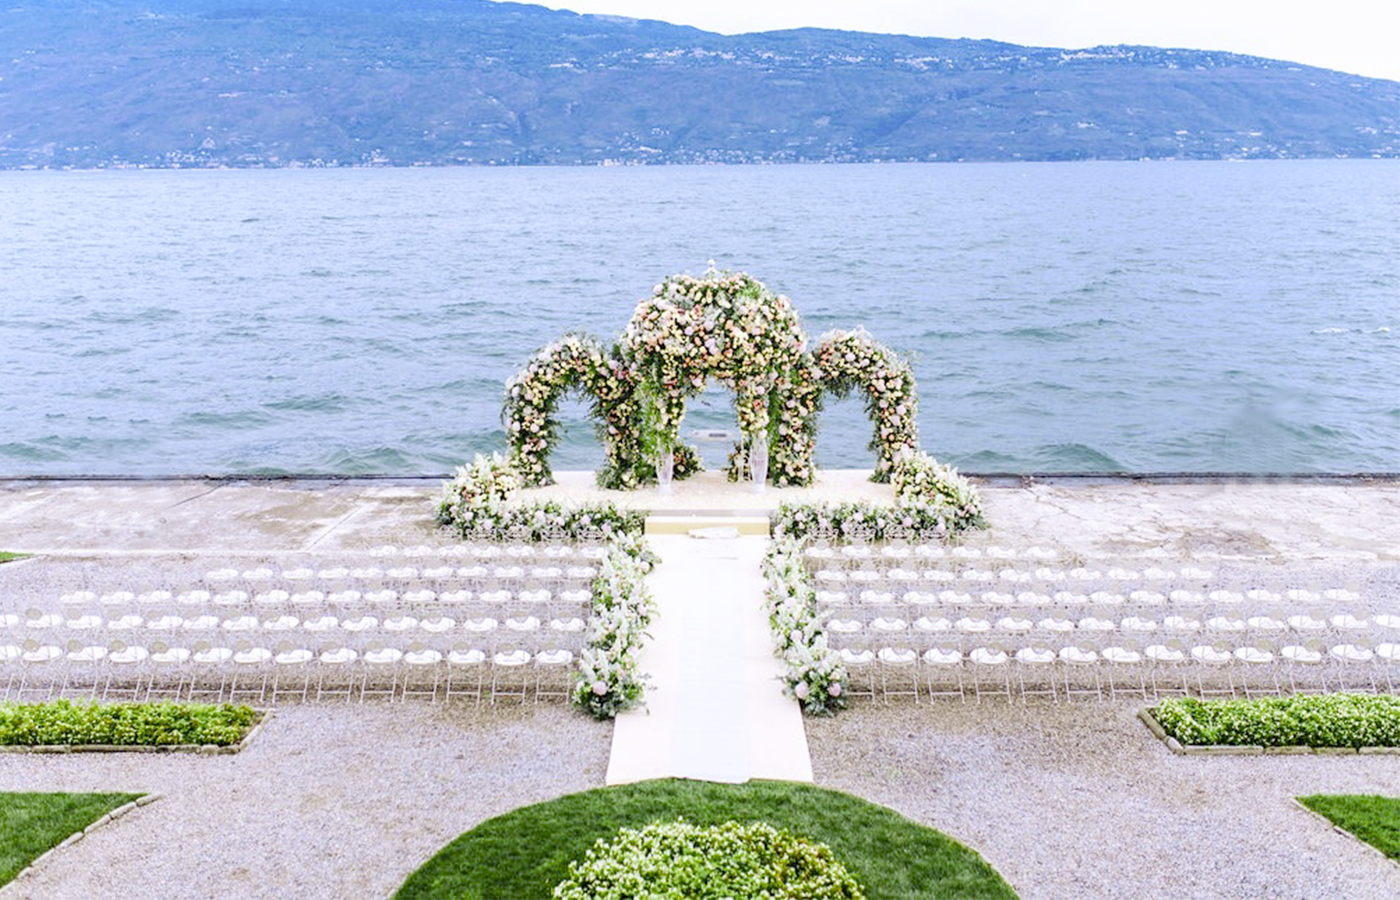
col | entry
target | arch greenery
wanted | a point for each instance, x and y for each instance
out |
(725, 326)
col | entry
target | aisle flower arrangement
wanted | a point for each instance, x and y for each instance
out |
(609, 680)
(481, 503)
(814, 672)
(938, 492)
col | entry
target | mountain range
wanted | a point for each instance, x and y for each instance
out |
(104, 83)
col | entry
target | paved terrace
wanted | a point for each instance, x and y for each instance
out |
(1352, 521)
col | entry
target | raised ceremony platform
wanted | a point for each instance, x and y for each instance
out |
(1282, 520)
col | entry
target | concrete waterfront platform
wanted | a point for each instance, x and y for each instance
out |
(1277, 520)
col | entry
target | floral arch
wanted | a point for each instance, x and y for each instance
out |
(722, 325)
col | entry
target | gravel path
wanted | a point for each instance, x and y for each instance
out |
(1078, 800)
(330, 801)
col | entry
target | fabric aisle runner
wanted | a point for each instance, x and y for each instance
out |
(715, 709)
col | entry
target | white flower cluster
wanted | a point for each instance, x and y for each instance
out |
(937, 491)
(480, 503)
(609, 681)
(815, 673)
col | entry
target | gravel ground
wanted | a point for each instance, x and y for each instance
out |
(330, 801)
(1078, 800)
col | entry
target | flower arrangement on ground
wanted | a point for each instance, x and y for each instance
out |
(814, 673)
(481, 503)
(680, 861)
(609, 679)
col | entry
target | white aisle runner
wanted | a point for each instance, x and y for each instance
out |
(715, 709)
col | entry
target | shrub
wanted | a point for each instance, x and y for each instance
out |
(682, 861)
(123, 724)
(1331, 720)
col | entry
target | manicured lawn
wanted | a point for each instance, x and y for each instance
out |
(6, 556)
(32, 823)
(1376, 820)
(524, 853)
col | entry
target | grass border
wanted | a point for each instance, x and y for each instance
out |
(1298, 802)
(10, 556)
(526, 851)
(143, 800)
(263, 715)
(1181, 749)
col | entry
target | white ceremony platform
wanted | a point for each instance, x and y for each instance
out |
(715, 709)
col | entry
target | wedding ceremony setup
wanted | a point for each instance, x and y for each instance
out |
(703, 635)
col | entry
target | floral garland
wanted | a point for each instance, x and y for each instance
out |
(815, 673)
(609, 681)
(479, 503)
(848, 360)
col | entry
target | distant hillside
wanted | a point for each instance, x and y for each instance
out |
(428, 82)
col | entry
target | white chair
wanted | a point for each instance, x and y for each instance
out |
(1081, 670)
(1354, 664)
(466, 669)
(208, 660)
(336, 671)
(553, 670)
(1258, 664)
(939, 661)
(510, 674)
(85, 666)
(991, 670)
(422, 671)
(251, 669)
(40, 663)
(1032, 662)
(379, 667)
(1167, 655)
(291, 661)
(170, 667)
(1127, 672)
(125, 667)
(1305, 663)
(900, 666)
(860, 672)
(1214, 662)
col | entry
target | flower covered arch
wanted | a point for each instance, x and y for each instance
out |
(722, 325)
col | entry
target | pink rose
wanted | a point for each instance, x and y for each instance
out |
(834, 689)
(600, 688)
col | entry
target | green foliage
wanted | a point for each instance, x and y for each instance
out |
(123, 724)
(1373, 819)
(11, 557)
(1331, 720)
(680, 861)
(31, 824)
(526, 852)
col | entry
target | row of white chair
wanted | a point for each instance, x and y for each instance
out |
(1127, 667)
(822, 550)
(1103, 620)
(254, 671)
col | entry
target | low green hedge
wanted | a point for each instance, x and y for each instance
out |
(123, 724)
(680, 861)
(1329, 720)
(6, 556)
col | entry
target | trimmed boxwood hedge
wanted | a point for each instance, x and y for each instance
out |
(680, 861)
(1328, 720)
(123, 724)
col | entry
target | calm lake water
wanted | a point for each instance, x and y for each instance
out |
(1060, 317)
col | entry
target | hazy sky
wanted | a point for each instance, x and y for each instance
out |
(1357, 36)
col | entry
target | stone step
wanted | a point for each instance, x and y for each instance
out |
(744, 525)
